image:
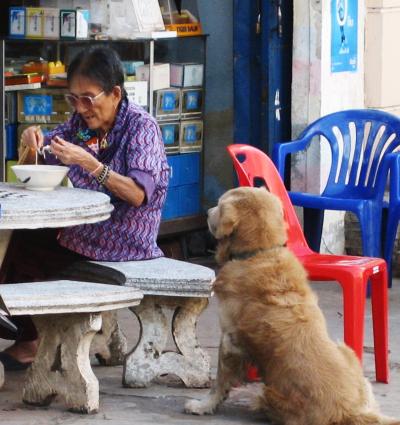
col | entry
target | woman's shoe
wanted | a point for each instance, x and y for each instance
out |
(12, 364)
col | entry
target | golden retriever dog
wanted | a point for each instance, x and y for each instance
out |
(270, 317)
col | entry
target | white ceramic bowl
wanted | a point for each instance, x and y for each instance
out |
(40, 177)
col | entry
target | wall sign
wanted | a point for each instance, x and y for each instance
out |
(344, 25)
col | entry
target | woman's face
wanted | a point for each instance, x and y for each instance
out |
(101, 114)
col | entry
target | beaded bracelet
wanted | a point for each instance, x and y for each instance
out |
(103, 175)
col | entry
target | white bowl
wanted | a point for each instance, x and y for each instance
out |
(40, 177)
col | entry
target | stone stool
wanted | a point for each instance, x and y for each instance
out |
(67, 315)
(170, 288)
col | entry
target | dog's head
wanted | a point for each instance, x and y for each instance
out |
(247, 219)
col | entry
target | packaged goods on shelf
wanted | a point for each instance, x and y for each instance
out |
(37, 66)
(167, 104)
(130, 66)
(184, 21)
(34, 22)
(131, 19)
(27, 78)
(161, 75)
(137, 92)
(186, 74)
(11, 141)
(191, 103)
(74, 23)
(183, 195)
(191, 136)
(51, 22)
(170, 135)
(17, 19)
(43, 106)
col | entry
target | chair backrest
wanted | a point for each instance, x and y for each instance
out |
(255, 168)
(359, 141)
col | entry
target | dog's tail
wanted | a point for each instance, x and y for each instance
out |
(370, 419)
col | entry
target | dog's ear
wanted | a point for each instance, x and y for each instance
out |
(228, 220)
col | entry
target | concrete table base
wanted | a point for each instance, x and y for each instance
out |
(109, 345)
(67, 315)
(148, 360)
(62, 365)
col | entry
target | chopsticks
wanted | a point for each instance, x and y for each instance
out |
(25, 152)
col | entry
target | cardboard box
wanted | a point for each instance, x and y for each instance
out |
(74, 24)
(17, 19)
(161, 74)
(43, 106)
(191, 136)
(137, 92)
(170, 135)
(68, 24)
(131, 66)
(34, 22)
(187, 74)
(51, 23)
(11, 141)
(191, 103)
(82, 23)
(167, 104)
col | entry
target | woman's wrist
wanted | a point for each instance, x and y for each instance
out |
(91, 165)
(96, 172)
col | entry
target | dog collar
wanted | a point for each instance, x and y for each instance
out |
(248, 254)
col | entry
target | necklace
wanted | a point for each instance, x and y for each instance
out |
(103, 142)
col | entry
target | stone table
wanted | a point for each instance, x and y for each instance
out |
(26, 209)
(61, 207)
(67, 315)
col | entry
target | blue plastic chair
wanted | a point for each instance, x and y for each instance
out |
(363, 145)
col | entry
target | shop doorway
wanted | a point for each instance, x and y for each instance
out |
(262, 45)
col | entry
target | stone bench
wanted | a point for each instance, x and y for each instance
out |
(175, 293)
(67, 315)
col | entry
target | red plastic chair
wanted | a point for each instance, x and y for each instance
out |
(351, 272)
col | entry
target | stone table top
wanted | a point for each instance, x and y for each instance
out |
(27, 209)
(164, 276)
(66, 296)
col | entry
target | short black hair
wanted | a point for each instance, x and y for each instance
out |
(101, 65)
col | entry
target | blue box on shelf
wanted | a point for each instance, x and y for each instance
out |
(11, 142)
(16, 19)
(183, 196)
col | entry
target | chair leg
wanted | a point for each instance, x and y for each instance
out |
(354, 313)
(313, 225)
(379, 300)
(391, 232)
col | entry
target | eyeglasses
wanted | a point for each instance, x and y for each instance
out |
(86, 101)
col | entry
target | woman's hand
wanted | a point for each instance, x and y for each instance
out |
(32, 137)
(70, 154)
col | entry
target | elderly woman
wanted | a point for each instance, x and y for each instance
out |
(110, 145)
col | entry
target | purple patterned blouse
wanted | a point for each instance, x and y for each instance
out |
(134, 149)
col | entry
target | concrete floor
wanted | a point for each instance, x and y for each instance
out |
(163, 404)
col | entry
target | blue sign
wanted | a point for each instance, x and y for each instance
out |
(38, 104)
(344, 19)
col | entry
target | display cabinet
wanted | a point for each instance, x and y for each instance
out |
(182, 131)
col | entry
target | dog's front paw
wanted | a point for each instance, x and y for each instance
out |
(199, 407)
